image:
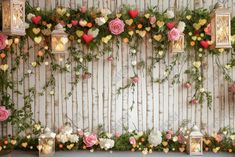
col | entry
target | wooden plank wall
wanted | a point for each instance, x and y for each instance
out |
(95, 102)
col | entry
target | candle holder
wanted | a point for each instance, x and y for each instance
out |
(195, 142)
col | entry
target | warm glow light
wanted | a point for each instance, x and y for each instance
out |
(59, 40)
(46, 145)
(178, 45)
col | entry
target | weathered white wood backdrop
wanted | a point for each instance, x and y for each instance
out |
(95, 102)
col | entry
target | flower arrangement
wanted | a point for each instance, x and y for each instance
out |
(145, 142)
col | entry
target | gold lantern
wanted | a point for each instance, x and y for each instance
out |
(220, 26)
(13, 15)
(59, 40)
(178, 45)
(195, 142)
(46, 142)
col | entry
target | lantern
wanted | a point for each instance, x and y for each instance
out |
(59, 40)
(195, 142)
(46, 143)
(178, 45)
(13, 17)
(220, 27)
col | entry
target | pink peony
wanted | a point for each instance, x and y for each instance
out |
(173, 34)
(207, 30)
(3, 39)
(90, 140)
(168, 136)
(152, 20)
(132, 140)
(4, 113)
(116, 26)
(83, 9)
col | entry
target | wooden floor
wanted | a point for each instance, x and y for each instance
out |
(113, 154)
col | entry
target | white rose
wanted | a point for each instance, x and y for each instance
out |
(106, 143)
(67, 129)
(155, 138)
(29, 16)
(181, 26)
(170, 14)
(105, 12)
(73, 138)
(100, 21)
(93, 32)
(62, 138)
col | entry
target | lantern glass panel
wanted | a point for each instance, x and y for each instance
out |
(178, 45)
(195, 145)
(6, 10)
(47, 147)
(59, 43)
(13, 12)
(223, 29)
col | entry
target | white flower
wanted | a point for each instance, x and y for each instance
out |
(93, 32)
(170, 14)
(105, 12)
(67, 130)
(232, 137)
(109, 135)
(26, 25)
(73, 138)
(29, 16)
(155, 138)
(100, 21)
(106, 143)
(181, 26)
(62, 138)
(202, 90)
(175, 138)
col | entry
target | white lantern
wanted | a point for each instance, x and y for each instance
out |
(59, 40)
(178, 45)
(46, 142)
(13, 17)
(195, 142)
(221, 27)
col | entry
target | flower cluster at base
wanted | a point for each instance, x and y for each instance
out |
(146, 142)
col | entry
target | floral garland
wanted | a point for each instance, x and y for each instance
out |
(94, 29)
(146, 142)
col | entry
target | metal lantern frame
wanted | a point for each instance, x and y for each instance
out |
(13, 17)
(46, 140)
(178, 45)
(56, 38)
(195, 134)
(221, 23)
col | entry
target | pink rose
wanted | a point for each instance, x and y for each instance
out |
(80, 132)
(135, 79)
(170, 132)
(187, 85)
(132, 140)
(90, 140)
(180, 138)
(194, 101)
(207, 30)
(3, 39)
(152, 20)
(173, 34)
(4, 113)
(168, 136)
(116, 26)
(83, 9)
(110, 58)
(218, 138)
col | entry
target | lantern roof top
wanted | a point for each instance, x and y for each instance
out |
(195, 131)
(47, 133)
(59, 29)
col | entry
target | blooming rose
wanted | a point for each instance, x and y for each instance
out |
(73, 138)
(170, 14)
(90, 139)
(152, 19)
(4, 113)
(155, 138)
(132, 140)
(180, 138)
(116, 26)
(218, 138)
(207, 30)
(181, 26)
(170, 132)
(168, 136)
(100, 21)
(3, 39)
(173, 34)
(106, 143)
(63, 138)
